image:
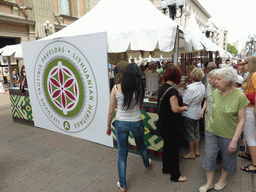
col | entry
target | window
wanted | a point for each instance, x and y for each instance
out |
(225, 34)
(69, 7)
(224, 39)
(224, 44)
(64, 7)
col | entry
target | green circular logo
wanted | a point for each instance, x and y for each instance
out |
(65, 86)
(62, 86)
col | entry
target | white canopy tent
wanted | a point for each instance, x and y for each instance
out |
(195, 37)
(130, 24)
(8, 51)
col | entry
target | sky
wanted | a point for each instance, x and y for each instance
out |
(237, 16)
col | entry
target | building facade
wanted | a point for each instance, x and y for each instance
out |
(28, 20)
(17, 22)
(190, 6)
(222, 38)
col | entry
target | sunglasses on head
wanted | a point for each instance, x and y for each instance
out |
(244, 63)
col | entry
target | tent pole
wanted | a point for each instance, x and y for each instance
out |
(10, 70)
(176, 48)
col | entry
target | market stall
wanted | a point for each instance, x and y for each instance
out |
(131, 26)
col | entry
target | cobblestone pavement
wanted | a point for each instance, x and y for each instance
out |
(33, 159)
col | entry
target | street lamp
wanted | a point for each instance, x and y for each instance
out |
(173, 5)
(47, 28)
(164, 5)
(250, 45)
(208, 31)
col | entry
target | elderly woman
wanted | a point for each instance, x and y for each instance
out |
(206, 111)
(193, 97)
(170, 108)
(249, 87)
(224, 128)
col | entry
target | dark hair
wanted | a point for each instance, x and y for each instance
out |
(219, 59)
(173, 73)
(206, 64)
(158, 64)
(22, 70)
(146, 66)
(142, 68)
(132, 85)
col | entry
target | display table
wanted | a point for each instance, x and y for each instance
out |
(22, 113)
(21, 107)
(153, 142)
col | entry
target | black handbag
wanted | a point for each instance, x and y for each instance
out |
(159, 123)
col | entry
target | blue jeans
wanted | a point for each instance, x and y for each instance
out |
(122, 129)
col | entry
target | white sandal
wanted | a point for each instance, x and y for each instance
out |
(204, 189)
(150, 165)
(119, 186)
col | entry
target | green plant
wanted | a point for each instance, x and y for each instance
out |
(232, 49)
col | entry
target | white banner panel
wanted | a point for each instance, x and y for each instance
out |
(69, 86)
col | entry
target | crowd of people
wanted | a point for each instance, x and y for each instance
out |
(18, 79)
(219, 96)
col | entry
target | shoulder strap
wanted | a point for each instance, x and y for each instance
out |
(162, 98)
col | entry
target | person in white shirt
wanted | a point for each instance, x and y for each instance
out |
(193, 97)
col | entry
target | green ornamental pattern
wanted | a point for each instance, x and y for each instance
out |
(21, 110)
(21, 107)
(153, 142)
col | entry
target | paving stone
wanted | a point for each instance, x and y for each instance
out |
(58, 156)
(74, 164)
(9, 138)
(34, 159)
(74, 183)
(94, 171)
(44, 151)
(27, 145)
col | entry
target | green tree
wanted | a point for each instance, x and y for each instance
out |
(232, 49)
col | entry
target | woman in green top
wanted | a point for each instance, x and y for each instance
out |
(224, 128)
(159, 68)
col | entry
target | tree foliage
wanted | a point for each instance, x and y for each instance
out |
(232, 49)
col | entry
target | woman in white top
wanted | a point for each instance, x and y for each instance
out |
(128, 95)
(193, 97)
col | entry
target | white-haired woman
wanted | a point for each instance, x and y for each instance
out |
(224, 128)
